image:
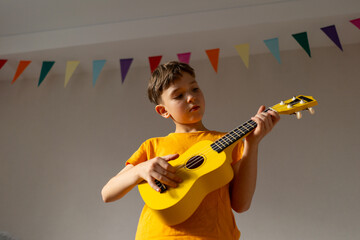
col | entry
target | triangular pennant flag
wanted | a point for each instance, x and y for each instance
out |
(273, 46)
(20, 69)
(244, 52)
(70, 69)
(184, 57)
(2, 62)
(356, 22)
(46, 66)
(124, 66)
(302, 39)
(331, 32)
(154, 62)
(213, 55)
(97, 67)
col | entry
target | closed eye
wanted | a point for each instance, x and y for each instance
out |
(178, 96)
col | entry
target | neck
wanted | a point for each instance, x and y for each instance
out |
(186, 128)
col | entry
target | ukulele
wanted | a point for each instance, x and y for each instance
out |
(206, 166)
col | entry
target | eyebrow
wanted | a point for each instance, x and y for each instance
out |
(177, 89)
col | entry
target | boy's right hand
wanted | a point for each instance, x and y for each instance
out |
(159, 169)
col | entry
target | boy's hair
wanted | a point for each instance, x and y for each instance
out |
(163, 76)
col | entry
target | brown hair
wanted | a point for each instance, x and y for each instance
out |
(163, 76)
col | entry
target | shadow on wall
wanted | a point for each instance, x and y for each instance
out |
(6, 236)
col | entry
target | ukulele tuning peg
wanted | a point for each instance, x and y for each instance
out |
(282, 103)
(298, 115)
(311, 110)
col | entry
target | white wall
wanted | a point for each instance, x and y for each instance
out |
(58, 147)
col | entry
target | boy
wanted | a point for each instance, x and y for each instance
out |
(177, 96)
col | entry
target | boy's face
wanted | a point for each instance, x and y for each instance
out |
(183, 101)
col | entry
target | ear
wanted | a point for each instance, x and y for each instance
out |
(161, 110)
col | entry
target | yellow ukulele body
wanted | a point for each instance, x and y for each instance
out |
(175, 205)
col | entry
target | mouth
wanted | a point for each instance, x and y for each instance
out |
(194, 108)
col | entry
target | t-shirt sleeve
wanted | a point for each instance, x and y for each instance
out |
(139, 156)
(237, 152)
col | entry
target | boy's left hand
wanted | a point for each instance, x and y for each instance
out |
(265, 123)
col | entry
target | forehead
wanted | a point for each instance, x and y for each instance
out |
(185, 80)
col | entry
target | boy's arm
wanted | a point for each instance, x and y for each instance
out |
(243, 185)
(156, 168)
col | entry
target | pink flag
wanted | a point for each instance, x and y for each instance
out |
(184, 57)
(356, 22)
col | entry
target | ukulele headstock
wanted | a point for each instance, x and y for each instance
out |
(295, 105)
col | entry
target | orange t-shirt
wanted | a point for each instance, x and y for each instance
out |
(213, 219)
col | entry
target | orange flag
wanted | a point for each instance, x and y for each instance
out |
(20, 69)
(213, 55)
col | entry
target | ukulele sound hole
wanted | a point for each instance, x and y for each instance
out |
(194, 162)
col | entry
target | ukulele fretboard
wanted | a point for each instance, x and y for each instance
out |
(234, 135)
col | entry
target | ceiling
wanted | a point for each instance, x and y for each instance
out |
(86, 30)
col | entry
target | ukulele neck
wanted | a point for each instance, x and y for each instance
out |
(234, 135)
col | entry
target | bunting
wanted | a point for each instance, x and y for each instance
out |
(356, 22)
(124, 67)
(302, 39)
(70, 69)
(20, 69)
(154, 62)
(184, 57)
(213, 55)
(244, 52)
(97, 67)
(2, 62)
(273, 46)
(331, 32)
(45, 69)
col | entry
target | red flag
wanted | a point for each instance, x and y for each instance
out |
(154, 62)
(2, 62)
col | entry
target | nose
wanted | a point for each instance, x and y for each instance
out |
(190, 98)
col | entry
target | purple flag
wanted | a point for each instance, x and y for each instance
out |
(331, 32)
(124, 66)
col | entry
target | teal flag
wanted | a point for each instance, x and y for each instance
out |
(273, 46)
(97, 67)
(302, 39)
(45, 69)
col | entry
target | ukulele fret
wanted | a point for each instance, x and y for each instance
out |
(233, 136)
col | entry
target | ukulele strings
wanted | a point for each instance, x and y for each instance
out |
(226, 139)
(198, 158)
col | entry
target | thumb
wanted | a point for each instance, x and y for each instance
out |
(170, 157)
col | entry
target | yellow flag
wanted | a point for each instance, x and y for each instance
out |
(70, 68)
(244, 52)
